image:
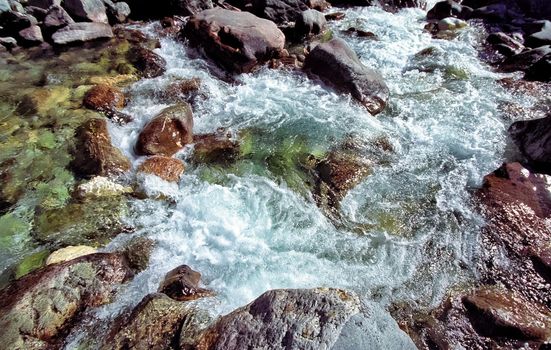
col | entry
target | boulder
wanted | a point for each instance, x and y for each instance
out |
(167, 168)
(117, 12)
(448, 8)
(168, 132)
(86, 10)
(533, 138)
(338, 65)
(525, 60)
(541, 70)
(41, 306)
(307, 319)
(185, 90)
(69, 253)
(56, 18)
(310, 22)
(182, 284)
(189, 7)
(45, 4)
(541, 37)
(93, 152)
(238, 41)
(101, 187)
(493, 13)
(143, 10)
(451, 23)
(12, 22)
(279, 11)
(8, 42)
(76, 33)
(218, 147)
(146, 61)
(505, 44)
(31, 36)
(107, 99)
(138, 252)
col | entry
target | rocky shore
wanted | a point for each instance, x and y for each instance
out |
(88, 53)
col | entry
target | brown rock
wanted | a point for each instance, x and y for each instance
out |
(147, 62)
(335, 16)
(104, 97)
(168, 169)
(182, 284)
(168, 132)
(215, 148)
(93, 152)
(185, 90)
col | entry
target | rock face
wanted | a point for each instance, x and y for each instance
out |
(279, 11)
(182, 284)
(168, 169)
(75, 33)
(238, 41)
(37, 308)
(86, 10)
(533, 138)
(338, 65)
(310, 22)
(94, 154)
(284, 319)
(168, 132)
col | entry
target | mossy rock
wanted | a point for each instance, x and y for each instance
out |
(30, 263)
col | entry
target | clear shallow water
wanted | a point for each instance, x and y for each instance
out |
(253, 233)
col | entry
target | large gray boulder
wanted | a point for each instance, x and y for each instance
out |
(533, 138)
(117, 12)
(338, 65)
(86, 10)
(238, 41)
(81, 32)
(310, 22)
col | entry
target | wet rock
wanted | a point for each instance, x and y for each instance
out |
(167, 168)
(31, 36)
(284, 319)
(279, 11)
(117, 12)
(238, 41)
(338, 65)
(56, 18)
(185, 90)
(107, 99)
(541, 70)
(86, 10)
(310, 22)
(168, 132)
(396, 5)
(533, 137)
(36, 309)
(504, 314)
(541, 37)
(76, 33)
(101, 187)
(362, 33)
(153, 324)
(147, 62)
(505, 44)
(138, 252)
(182, 284)
(40, 101)
(218, 147)
(190, 7)
(69, 253)
(94, 154)
(31, 263)
(335, 16)
(525, 60)
(448, 8)
(451, 23)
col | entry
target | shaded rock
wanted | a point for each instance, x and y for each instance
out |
(107, 99)
(117, 12)
(101, 187)
(45, 4)
(533, 138)
(505, 44)
(31, 36)
(238, 41)
(167, 168)
(504, 314)
(525, 60)
(182, 284)
(39, 307)
(12, 22)
(153, 324)
(279, 11)
(75, 33)
(86, 10)
(338, 65)
(495, 13)
(541, 37)
(147, 62)
(138, 252)
(8, 42)
(69, 253)
(37, 12)
(310, 22)
(218, 147)
(57, 18)
(284, 319)
(541, 70)
(448, 8)
(94, 154)
(190, 7)
(335, 16)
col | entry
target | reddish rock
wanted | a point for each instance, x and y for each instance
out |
(335, 16)
(104, 97)
(215, 148)
(185, 90)
(168, 132)
(147, 62)
(168, 169)
(182, 284)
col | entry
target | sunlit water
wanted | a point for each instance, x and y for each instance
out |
(253, 233)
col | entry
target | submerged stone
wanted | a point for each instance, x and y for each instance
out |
(167, 168)
(101, 187)
(218, 147)
(138, 252)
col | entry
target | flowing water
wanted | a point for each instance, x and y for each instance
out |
(252, 229)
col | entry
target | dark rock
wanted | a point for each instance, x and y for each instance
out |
(182, 284)
(143, 10)
(37, 12)
(167, 168)
(75, 33)
(147, 62)
(505, 44)
(168, 132)
(185, 90)
(12, 22)
(535, 8)
(362, 33)
(138, 252)
(448, 8)
(279, 11)
(525, 60)
(218, 147)
(305, 319)
(57, 18)
(39, 307)
(533, 138)
(310, 22)
(117, 12)
(541, 70)
(94, 154)
(31, 36)
(8, 42)
(86, 10)
(541, 37)
(45, 4)
(396, 5)
(190, 7)
(338, 65)
(238, 41)
(335, 16)
(495, 13)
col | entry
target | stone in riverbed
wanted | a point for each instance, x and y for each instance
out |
(36, 309)
(94, 154)
(182, 284)
(279, 11)
(238, 41)
(31, 36)
(107, 99)
(448, 8)
(8, 42)
(185, 90)
(541, 70)
(217, 147)
(525, 59)
(75, 33)
(505, 44)
(167, 168)
(101, 187)
(338, 65)
(168, 132)
(138, 252)
(69, 253)
(310, 22)
(533, 138)
(541, 37)
(86, 10)
(56, 18)
(147, 62)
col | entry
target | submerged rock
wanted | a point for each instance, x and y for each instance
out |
(338, 65)
(182, 284)
(93, 152)
(238, 41)
(138, 252)
(533, 138)
(36, 309)
(75, 33)
(69, 253)
(167, 168)
(168, 132)
(217, 147)
(185, 90)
